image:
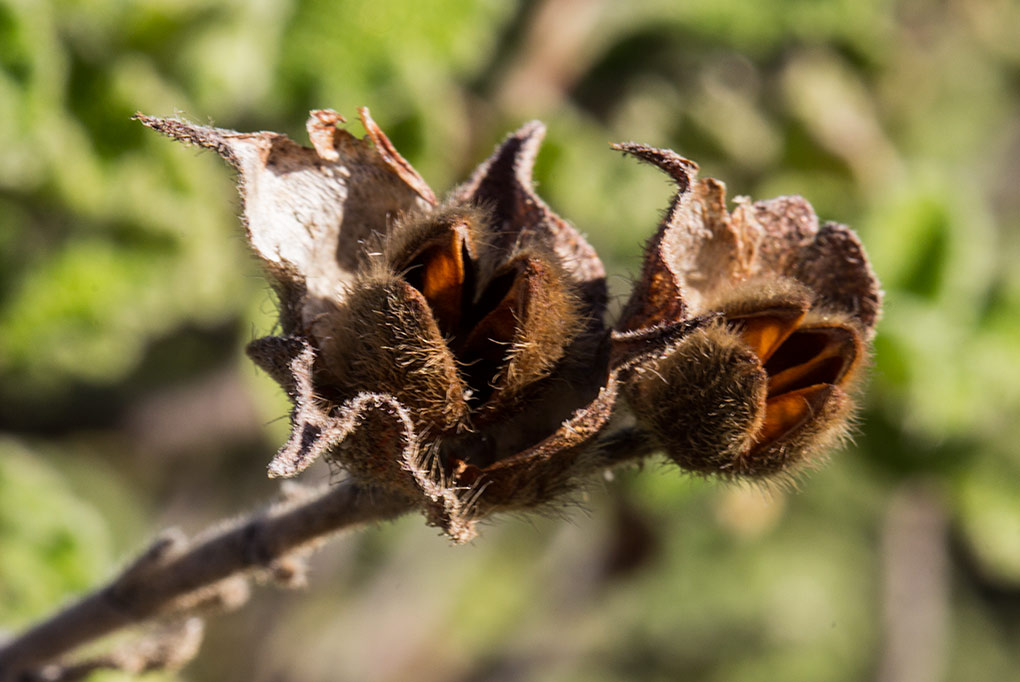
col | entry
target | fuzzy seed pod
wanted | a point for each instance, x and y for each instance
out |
(383, 335)
(765, 388)
(454, 353)
(702, 400)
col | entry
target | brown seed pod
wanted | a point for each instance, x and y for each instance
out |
(702, 402)
(384, 337)
(453, 353)
(754, 395)
(766, 388)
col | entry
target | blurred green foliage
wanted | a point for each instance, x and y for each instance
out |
(126, 294)
(55, 544)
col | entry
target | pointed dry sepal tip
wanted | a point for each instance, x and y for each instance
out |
(521, 147)
(507, 175)
(323, 132)
(276, 355)
(677, 167)
(532, 133)
(529, 139)
(660, 297)
(189, 133)
(397, 163)
(283, 469)
(305, 446)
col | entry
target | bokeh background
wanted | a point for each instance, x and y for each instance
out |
(127, 294)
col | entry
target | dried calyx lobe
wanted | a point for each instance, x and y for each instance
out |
(766, 387)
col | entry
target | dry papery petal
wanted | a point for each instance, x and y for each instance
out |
(701, 250)
(310, 212)
(503, 183)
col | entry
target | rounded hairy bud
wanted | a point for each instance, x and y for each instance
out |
(383, 336)
(703, 401)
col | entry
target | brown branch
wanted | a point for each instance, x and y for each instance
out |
(175, 575)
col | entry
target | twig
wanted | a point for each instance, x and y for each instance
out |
(175, 575)
(178, 577)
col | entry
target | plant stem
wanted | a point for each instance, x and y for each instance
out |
(172, 575)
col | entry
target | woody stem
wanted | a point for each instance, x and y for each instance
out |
(169, 573)
(175, 575)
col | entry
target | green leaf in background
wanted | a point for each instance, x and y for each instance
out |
(109, 248)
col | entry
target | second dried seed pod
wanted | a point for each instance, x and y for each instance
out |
(766, 386)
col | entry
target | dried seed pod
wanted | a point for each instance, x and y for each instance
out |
(530, 327)
(438, 255)
(751, 395)
(455, 353)
(766, 388)
(452, 353)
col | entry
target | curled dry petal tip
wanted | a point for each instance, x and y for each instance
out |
(323, 132)
(393, 158)
(678, 168)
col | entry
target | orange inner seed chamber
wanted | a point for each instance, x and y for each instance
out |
(807, 363)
